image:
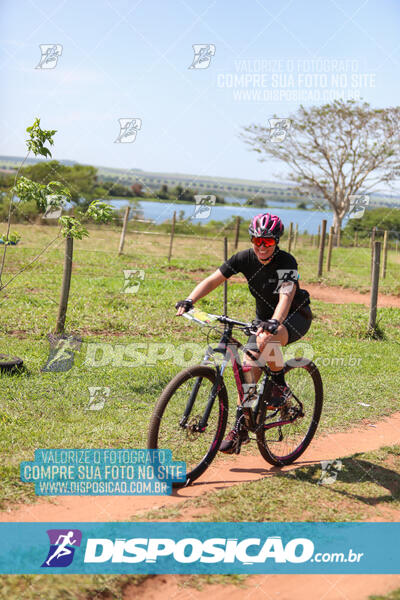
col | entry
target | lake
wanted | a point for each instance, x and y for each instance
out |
(307, 220)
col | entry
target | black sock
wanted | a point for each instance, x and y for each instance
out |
(239, 415)
(278, 377)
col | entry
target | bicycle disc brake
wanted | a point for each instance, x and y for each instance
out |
(193, 431)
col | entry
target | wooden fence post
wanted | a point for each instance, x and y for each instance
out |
(123, 232)
(376, 250)
(385, 251)
(372, 246)
(66, 284)
(296, 233)
(237, 229)
(355, 244)
(225, 282)
(290, 237)
(312, 240)
(319, 236)
(372, 238)
(172, 236)
(321, 248)
(330, 243)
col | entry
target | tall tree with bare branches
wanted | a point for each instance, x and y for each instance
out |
(336, 150)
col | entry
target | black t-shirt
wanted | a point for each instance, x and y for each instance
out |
(265, 280)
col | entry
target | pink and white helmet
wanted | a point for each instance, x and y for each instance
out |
(266, 225)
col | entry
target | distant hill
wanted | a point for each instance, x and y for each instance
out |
(227, 186)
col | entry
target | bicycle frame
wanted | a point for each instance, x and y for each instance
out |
(228, 346)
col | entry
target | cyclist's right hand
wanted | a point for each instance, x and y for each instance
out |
(183, 306)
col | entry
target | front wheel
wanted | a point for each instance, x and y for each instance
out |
(178, 424)
(299, 417)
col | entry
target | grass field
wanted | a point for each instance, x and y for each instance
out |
(43, 410)
(49, 409)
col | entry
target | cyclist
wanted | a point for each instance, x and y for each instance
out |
(283, 314)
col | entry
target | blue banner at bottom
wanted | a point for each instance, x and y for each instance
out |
(193, 548)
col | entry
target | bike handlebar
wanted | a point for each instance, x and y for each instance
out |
(248, 328)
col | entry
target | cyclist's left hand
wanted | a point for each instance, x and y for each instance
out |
(270, 326)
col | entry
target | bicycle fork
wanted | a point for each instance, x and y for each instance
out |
(202, 424)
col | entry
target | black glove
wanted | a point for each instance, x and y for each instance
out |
(271, 325)
(186, 304)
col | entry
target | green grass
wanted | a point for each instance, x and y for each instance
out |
(395, 595)
(91, 587)
(67, 587)
(49, 410)
(366, 483)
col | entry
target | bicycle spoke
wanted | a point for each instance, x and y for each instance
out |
(284, 443)
(186, 437)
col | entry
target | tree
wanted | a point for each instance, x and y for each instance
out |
(177, 191)
(381, 218)
(137, 189)
(6, 181)
(81, 180)
(163, 193)
(336, 150)
(257, 201)
(49, 198)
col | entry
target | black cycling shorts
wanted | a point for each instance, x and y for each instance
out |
(297, 323)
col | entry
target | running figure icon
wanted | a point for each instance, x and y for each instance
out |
(63, 543)
(62, 549)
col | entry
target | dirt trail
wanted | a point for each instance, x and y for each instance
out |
(224, 472)
(336, 294)
(339, 295)
(269, 587)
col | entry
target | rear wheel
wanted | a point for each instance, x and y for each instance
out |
(283, 444)
(188, 441)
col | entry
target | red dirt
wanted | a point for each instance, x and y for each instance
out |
(335, 294)
(224, 472)
(269, 587)
(339, 295)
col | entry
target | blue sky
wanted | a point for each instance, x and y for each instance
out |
(125, 59)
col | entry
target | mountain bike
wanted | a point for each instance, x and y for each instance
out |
(191, 414)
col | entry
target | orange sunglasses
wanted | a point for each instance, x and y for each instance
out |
(258, 241)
